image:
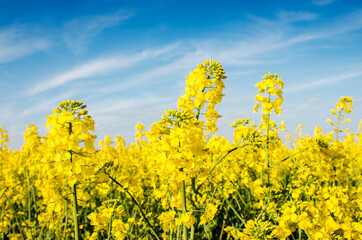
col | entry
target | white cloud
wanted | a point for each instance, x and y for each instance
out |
(348, 23)
(322, 2)
(116, 105)
(323, 81)
(81, 31)
(17, 42)
(254, 50)
(45, 107)
(97, 67)
(290, 16)
(264, 45)
(246, 52)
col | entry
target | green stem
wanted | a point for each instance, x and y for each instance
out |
(66, 219)
(193, 186)
(285, 159)
(299, 233)
(184, 210)
(75, 212)
(74, 193)
(309, 236)
(224, 156)
(232, 208)
(209, 230)
(192, 236)
(263, 210)
(267, 147)
(110, 227)
(171, 234)
(29, 196)
(199, 109)
(293, 238)
(178, 234)
(339, 121)
(137, 204)
(223, 226)
(237, 185)
(218, 161)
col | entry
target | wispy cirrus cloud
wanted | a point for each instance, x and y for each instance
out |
(80, 32)
(246, 52)
(125, 87)
(324, 81)
(97, 67)
(348, 23)
(17, 42)
(322, 2)
(120, 104)
(291, 16)
(41, 107)
(255, 50)
(281, 31)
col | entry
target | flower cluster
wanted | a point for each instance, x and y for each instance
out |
(181, 180)
(344, 105)
(204, 86)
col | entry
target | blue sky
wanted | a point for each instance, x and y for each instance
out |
(127, 60)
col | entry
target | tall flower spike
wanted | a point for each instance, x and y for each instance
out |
(273, 85)
(344, 105)
(3, 136)
(204, 88)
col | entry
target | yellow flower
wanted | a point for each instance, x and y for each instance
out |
(187, 219)
(330, 121)
(209, 214)
(346, 121)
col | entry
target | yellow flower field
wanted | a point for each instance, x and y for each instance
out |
(180, 180)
